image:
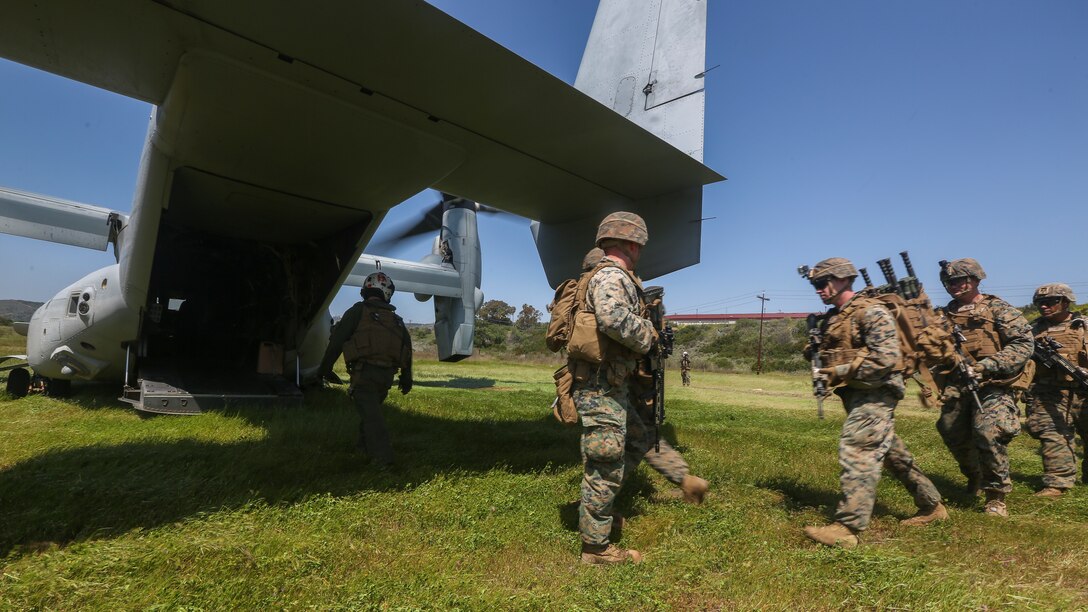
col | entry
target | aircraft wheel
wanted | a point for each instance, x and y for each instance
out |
(19, 382)
(58, 387)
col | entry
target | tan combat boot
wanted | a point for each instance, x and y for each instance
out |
(995, 504)
(694, 489)
(608, 554)
(1050, 492)
(835, 534)
(925, 517)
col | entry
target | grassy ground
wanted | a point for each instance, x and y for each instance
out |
(248, 508)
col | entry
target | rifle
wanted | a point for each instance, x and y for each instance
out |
(969, 381)
(819, 385)
(655, 359)
(1046, 354)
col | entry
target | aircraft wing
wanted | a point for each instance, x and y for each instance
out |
(20, 362)
(44, 218)
(532, 144)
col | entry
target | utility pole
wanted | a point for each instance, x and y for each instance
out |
(763, 299)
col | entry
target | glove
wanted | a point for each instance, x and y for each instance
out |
(330, 377)
(978, 371)
(405, 384)
(836, 375)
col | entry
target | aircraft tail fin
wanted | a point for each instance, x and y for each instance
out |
(646, 60)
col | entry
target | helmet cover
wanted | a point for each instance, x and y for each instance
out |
(832, 267)
(961, 268)
(623, 226)
(1054, 290)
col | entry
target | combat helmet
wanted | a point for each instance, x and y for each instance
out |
(380, 284)
(832, 267)
(960, 268)
(592, 258)
(1054, 290)
(623, 226)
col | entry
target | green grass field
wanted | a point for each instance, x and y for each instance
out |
(251, 508)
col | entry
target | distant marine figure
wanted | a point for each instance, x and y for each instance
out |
(375, 344)
(860, 354)
(685, 369)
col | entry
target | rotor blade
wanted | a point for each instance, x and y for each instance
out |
(430, 221)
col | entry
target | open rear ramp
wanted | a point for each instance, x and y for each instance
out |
(195, 390)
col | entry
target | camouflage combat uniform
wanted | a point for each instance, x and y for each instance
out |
(860, 342)
(999, 339)
(615, 437)
(372, 372)
(1055, 414)
(685, 370)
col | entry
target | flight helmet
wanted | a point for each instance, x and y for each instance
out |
(378, 284)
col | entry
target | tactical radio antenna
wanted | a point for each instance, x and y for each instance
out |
(865, 275)
(906, 262)
(909, 287)
(889, 272)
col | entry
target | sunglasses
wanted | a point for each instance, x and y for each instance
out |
(820, 283)
(1048, 302)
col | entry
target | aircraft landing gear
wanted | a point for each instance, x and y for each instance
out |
(18, 382)
(58, 387)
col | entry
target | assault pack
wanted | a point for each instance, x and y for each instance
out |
(574, 328)
(569, 297)
(913, 312)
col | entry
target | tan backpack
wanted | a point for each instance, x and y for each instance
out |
(911, 318)
(562, 315)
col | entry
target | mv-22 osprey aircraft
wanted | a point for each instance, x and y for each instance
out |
(282, 134)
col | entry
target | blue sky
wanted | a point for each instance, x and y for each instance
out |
(856, 129)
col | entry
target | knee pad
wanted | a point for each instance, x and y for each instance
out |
(603, 443)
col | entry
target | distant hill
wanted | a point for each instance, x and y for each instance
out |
(17, 310)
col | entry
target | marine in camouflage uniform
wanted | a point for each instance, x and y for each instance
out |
(375, 344)
(1056, 412)
(999, 344)
(615, 436)
(685, 369)
(861, 354)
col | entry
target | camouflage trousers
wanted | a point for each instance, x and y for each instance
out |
(868, 442)
(369, 387)
(1054, 419)
(685, 377)
(979, 439)
(615, 439)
